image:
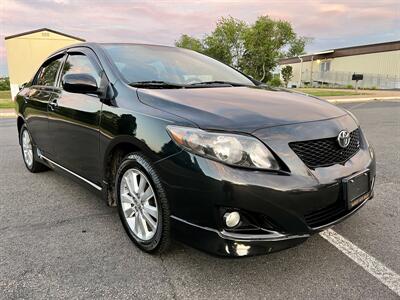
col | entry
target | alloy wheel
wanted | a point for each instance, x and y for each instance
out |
(139, 204)
(27, 148)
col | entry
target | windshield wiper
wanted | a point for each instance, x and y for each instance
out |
(155, 84)
(217, 83)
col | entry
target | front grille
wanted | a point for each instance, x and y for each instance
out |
(325, 215)
(326, 152)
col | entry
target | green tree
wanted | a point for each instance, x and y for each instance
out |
(265, 43)
(287, 74)
(226, 42)
(254, 49)
(189, 42)
(297, 46)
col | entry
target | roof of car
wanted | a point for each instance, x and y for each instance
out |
(136, 44)
(90, 44)
(96, 45)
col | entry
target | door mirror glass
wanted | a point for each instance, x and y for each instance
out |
(81, 83)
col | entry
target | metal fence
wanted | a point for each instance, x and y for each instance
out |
(343, 79)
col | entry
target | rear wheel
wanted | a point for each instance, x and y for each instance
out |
(142, 204)
(29, 152)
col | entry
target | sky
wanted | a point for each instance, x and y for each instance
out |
(332, 24)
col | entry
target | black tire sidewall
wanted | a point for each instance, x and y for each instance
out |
(139, 162)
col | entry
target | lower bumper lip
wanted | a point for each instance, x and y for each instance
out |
(270, 236)
(273, 236)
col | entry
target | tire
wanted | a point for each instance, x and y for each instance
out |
(145, 217)
(29, 152)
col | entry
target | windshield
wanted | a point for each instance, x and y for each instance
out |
(159, 64)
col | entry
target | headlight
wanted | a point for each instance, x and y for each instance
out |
(232, 149)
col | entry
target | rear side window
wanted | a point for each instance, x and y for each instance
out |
(48, 73)
(79, 63)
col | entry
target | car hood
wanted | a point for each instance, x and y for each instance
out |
(239, 108)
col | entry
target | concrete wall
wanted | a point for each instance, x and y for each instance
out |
(26, 53)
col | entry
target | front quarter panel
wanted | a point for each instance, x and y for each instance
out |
(127, 120)
(148, 134)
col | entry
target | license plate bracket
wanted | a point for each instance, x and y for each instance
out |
(356, 188)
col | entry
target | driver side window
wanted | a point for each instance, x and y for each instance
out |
(48, 72)
(78, 63)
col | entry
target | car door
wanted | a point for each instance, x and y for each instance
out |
(74, 119)
(40, 94)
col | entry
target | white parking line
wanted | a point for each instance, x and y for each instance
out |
(363, 259)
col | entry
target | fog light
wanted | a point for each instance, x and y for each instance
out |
(232, 219)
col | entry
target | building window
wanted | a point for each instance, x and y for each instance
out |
(325, 66)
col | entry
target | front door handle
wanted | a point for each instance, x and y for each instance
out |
(53, 104)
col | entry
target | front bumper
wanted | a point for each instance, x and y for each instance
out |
(199, 190)
(225, 243)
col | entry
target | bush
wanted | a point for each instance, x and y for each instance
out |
(5, 84)
(349, 86)
(275, 81)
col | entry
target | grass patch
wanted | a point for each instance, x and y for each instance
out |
(5, 100)
(327, 93)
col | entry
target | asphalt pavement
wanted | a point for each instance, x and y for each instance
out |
(59, 240)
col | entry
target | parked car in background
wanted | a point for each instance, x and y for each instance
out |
(186, 146)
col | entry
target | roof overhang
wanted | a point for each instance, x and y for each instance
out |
(43, 29)
(322, 52)
(342, 52)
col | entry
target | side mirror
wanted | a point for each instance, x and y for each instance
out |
(80, 83)
(21, 86)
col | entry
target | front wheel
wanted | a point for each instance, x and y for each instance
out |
(142, 204)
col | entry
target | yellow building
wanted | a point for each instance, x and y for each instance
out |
(26, 51)
(378, 63)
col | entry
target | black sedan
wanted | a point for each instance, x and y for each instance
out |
(186, 146)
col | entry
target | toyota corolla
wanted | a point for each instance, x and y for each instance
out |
(190, 148)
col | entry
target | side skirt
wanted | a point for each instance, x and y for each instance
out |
(53, 164)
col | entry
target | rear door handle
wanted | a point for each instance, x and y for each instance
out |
(53, 104)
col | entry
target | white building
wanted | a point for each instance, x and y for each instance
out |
(378, 63)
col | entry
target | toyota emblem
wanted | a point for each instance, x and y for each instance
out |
(343, 138)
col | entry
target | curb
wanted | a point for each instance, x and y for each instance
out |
(7, 115)
(349, 100)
